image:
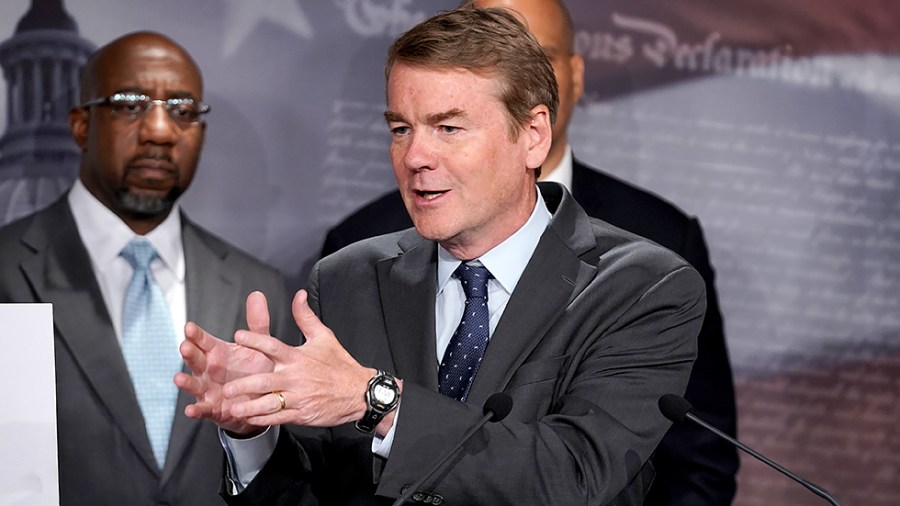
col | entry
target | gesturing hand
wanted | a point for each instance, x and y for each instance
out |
(322, 384)
(214, 362)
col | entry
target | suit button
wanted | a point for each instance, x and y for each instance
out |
(431, 498)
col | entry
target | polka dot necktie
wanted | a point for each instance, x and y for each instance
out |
(150, 347)
(466, 349)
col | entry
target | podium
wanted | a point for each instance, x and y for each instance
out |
(29, 474)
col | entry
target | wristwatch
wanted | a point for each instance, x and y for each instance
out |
(382, 396)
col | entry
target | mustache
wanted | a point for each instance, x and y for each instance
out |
(150, 155)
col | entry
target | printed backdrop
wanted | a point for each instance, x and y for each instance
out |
(776, 122)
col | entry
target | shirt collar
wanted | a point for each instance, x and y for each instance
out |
(506, 261)
(104, 234)
(562, 174)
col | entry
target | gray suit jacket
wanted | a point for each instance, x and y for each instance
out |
(694, 467)
(104, 452)
(601, 324)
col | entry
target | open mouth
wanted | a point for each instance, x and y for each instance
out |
(429, 195)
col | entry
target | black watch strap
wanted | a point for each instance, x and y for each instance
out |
(382, 396)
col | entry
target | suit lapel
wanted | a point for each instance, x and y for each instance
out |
(407, 297)
(61, 274)
(212, 294)
(556, 272)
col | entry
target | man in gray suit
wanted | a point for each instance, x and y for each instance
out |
(582, 324)
(140, 131)
(693, 466)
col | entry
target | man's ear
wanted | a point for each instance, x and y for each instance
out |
(576, 63)
(539, 135)
(78, 125)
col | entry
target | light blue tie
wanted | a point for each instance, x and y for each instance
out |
(150, 347)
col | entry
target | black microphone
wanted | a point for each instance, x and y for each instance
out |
(496, 407)
(676, 408)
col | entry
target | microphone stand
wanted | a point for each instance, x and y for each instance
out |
(819, 491)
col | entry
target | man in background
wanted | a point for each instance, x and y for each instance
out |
(124, 269)
(694, 468)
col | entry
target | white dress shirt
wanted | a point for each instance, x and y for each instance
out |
(105, 235)
(506, 262)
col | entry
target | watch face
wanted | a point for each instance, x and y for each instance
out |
(384, 394)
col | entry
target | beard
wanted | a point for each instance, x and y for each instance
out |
(136, 194)
(146, 206)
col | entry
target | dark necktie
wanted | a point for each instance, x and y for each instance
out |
(466, 349)
(150, 347)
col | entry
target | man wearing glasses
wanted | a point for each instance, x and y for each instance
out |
(124, 269)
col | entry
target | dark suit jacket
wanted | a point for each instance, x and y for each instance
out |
(600, 325)
(104, 452)
(693, 467)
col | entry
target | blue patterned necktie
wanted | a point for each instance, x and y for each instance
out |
(150, 347)
(467, 346)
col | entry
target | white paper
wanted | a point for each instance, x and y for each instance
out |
(28, 453)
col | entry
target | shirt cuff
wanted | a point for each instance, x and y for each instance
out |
(382, 446)
(246, 457)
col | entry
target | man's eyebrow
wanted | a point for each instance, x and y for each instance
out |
(137, 90)
(144, 91)
(440, 117)
(393, 117)
(431, 119)
(181, 94)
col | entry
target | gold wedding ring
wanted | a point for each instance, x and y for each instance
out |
(280, 399)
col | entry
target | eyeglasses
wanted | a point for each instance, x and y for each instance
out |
(132, 106)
